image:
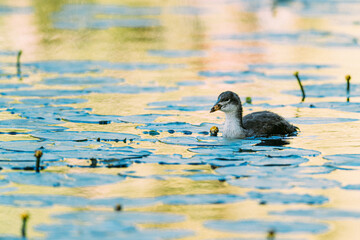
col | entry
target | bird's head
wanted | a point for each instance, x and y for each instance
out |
(227, 102)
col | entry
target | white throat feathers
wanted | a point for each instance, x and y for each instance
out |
(232, 126)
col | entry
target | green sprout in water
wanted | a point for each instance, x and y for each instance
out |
(296, 74)
(271, 235)
(93, 162)
(38, 155)
(118, 208)
(214, 131)
(348, 78)
(18, 65)
(24, 217)
(248, 100)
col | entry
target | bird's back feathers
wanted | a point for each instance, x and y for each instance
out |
(267, 123)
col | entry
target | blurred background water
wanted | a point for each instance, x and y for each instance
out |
(117, 96)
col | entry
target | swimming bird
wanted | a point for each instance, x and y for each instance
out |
(256, 124)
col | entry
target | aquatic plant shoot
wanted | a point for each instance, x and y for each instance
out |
(38, 154)
(18, 64)
(296, 74)
(348, 78)
(271, 235)
(118, 207)
(24, 218)
(214, 131)
(248, 100)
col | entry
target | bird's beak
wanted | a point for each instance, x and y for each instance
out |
(215, 108)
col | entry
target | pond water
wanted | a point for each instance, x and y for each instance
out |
(117, 97)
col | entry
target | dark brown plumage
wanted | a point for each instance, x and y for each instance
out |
(266, 123)
(256, 124)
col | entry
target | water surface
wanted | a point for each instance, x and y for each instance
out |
(117, 96)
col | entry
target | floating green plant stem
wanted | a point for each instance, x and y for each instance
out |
(348, 78)
(38, 155)
(296, 74)
(18, 64)
(24, 217)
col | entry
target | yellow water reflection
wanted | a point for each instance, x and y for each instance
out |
(36, 35)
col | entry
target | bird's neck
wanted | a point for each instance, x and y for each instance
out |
(233, 127)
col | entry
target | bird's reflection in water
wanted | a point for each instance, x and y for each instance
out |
(273, 142)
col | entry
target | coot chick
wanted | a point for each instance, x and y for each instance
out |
(256, 124)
